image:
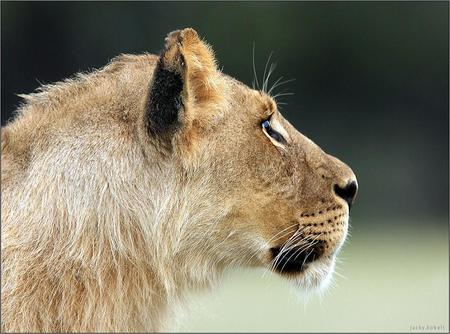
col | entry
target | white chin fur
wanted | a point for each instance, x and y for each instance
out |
(315, 279)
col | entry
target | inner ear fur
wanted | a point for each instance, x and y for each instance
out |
(184, 77)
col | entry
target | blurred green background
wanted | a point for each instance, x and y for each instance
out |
(371, 87)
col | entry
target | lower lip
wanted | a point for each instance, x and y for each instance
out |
(294, 261)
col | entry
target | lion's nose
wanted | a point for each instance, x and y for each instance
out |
(348, 193)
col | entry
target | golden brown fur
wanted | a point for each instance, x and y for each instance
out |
(105, 227)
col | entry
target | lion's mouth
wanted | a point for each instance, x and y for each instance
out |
(292, 260)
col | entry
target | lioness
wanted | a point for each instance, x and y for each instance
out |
(124, 188)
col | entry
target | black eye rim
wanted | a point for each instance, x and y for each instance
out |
(272, 132)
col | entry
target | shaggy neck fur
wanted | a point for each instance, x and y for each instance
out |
(100, 237)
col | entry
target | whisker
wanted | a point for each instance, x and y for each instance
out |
(289, 245)
(271, 69)
(340, 275)
(279, 83)
(283, 249)
(286, 249)
(274, 84)
(296, 235)
(298, 252)
(306, 257)
(254, 67)
(289, 227)
(282, 94)
(301, 249)
(265, 69)
(275, 237)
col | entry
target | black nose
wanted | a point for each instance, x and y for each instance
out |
(348, 193)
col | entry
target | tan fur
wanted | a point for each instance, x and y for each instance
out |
(105, 230)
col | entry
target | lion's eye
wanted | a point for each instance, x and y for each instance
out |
(272, 132)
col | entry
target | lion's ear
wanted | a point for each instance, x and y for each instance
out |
(184, 77)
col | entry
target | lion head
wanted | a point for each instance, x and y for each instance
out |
(279, 201)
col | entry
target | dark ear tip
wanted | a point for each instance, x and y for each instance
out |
(179, 36)
(173, 38)
(172, 57)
